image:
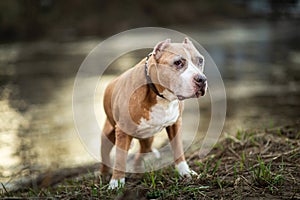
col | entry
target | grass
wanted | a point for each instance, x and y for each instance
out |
(253, 164)
(263, 176)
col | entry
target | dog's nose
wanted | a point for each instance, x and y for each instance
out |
(200, 79)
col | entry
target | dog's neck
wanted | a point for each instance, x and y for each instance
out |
(155, 88)
(150, 84)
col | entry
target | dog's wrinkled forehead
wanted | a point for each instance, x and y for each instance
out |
(166, 49)
(182, 50)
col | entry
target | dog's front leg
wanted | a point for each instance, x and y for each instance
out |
(122, 146)
(174, 134)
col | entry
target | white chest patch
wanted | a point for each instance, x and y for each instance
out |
(162, 114)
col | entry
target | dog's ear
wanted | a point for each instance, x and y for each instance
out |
(159, 47)
(187, 41)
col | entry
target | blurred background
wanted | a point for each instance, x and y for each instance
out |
(255, 44)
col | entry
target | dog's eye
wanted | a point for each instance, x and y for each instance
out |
(200, 61)
(179, 64)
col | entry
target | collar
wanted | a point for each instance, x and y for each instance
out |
(148, 78)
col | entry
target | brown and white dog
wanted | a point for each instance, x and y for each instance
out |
(154, 90)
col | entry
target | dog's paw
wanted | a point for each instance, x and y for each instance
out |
(156, 153)
(116, 183)
(184, 170)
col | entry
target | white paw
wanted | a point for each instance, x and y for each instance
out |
(131, 144)
(156, 152)
(116, 183)
(184, 170)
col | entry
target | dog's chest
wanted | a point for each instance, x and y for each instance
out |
(161, 115)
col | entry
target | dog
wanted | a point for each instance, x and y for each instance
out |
(148, 98)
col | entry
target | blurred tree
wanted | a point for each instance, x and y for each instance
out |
(31, 19)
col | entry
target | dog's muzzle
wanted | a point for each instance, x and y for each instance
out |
(201, 85)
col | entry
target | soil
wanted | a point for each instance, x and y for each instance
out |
(254, 164)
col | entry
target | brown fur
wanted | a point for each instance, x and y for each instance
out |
(139, 106)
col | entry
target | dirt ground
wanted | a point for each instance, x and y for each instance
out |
(254, 164)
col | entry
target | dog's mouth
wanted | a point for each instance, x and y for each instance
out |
(198, 93)
(201, 91)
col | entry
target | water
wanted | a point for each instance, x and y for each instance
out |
(259, 63)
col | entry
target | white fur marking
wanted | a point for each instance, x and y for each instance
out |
(191, 70)
(186, 87)
(114, 183)
(184, 169)
(163, 114)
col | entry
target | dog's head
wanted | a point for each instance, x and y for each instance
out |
(180, 68)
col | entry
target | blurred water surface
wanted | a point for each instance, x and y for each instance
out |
(259, 63)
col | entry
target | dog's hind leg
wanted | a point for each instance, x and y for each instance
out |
(108, 139)
(145, 147)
